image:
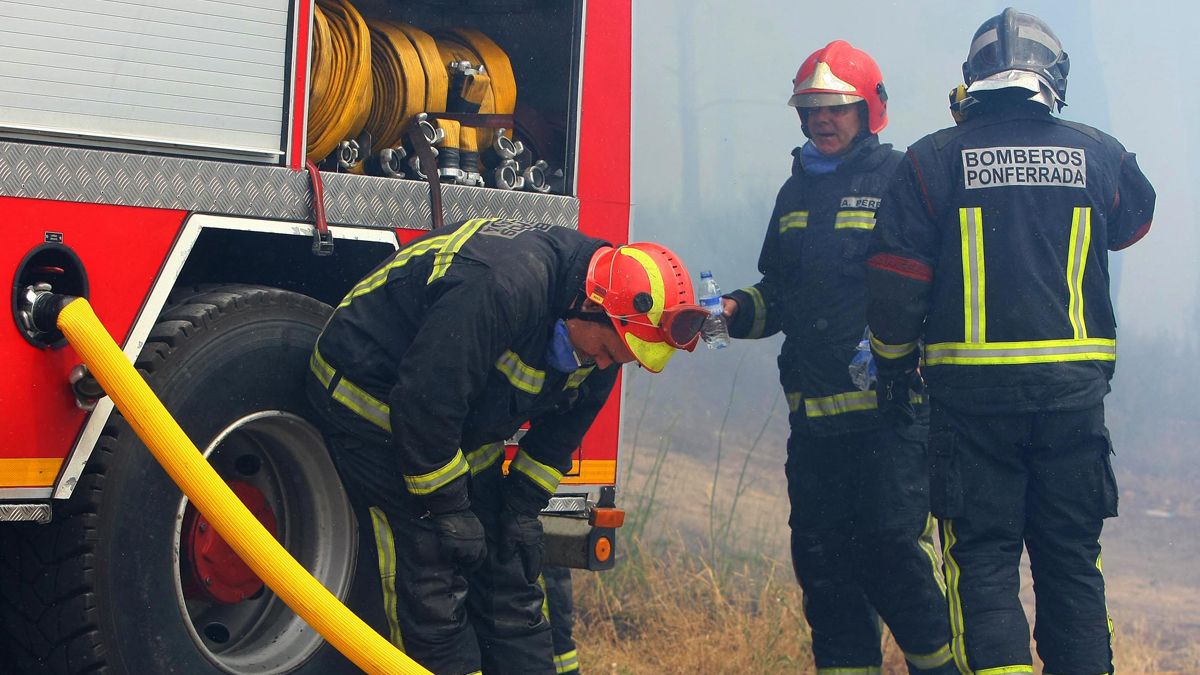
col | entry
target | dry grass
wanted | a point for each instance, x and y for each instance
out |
(672, 606)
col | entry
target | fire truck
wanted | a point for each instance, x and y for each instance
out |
(213, 176)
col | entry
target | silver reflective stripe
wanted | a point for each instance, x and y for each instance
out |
(576, 378)
(795, 220)
(385, 550)
(445, 256)
(320, 368)
(931, 660)
(484, 457)
(1081, 237)
(545, 476)
(837, 404)
(1007, 353)
(427, 483)
(795, 399)
(857, 220)
(365, 405)
(520, 375)
(566, 662)
(760, 313)
(974, 310)
(892, 351)
(988, 37)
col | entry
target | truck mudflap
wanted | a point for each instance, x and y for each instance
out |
(581, 534)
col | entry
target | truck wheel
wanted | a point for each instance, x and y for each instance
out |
(128, 579)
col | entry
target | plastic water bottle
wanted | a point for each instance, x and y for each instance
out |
(862, 367)
(716, 333)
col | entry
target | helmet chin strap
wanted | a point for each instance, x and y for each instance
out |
(596, 316)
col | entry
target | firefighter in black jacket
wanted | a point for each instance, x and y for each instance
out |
(857, 483)
(436, 358)
(991, 249)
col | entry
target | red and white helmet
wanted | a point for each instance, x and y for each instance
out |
(838, 74)
(647, 292)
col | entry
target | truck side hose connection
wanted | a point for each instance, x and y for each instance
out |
(209, 493)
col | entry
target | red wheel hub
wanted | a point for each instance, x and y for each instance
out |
(212, 570)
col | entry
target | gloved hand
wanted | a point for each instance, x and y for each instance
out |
(892, 395)
(521, 534)
(461, 537)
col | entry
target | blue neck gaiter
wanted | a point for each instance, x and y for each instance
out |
(816, 163)
(560, 353)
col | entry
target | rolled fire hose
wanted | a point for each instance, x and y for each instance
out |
(399, 83)
(212, 497)
(464, 44)
(340, 98)
(437, 80)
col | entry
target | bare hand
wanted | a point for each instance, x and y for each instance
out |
(729, 307)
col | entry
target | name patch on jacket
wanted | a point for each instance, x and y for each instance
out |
(1000, 167)
(871, 203)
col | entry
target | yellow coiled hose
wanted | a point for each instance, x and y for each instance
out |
(213, 498)
(399, 83)
(341, 94)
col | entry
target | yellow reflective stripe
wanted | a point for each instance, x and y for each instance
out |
(1005, 670)
(481, 458)
(427, 483)
(380, 276)
(794, 399)
(887, 351)
(541, 582)
(870, 670)
(974, 286)
(1081, 239)
(658, 288)
(931, 660)
(795, 220)
(385, 550)
(524, 377)
(954, 598)
(576, 378)
(858, 220)
(544, 475)
(320, 368)
(566, 662)
(760, 312)
(1009, 353)
(365, 405)
(851, 401)
(1107, 614)
(926, 543)
(441, 262)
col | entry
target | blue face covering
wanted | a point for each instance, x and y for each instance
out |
(560, 353)
(817, 163)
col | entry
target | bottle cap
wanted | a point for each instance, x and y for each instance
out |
(706, 274)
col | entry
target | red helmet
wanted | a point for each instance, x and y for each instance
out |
(838, 74)
(646, 291)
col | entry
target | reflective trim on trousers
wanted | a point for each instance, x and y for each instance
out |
(932, 660)
(954, 599)
(869, 670)
(385, 550)
(566, 662)
(926, 544)
(351, 395)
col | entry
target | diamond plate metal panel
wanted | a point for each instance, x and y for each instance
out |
(105, 177)
(39, 513)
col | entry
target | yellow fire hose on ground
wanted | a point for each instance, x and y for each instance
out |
(213, 498)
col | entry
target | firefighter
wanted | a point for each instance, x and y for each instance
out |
(992, 250)
(437, 357)
(857, 482)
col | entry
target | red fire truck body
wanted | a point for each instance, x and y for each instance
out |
(179, 214)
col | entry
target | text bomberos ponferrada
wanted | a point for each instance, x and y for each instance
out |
(1041, 165)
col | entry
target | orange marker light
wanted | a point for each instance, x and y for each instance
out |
(607, 517)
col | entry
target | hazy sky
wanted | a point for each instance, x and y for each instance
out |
(713, 133)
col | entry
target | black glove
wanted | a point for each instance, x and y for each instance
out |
(892, 395)
(461, 537)
(521, 533)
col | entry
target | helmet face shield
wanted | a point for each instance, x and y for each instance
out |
(1016, 42)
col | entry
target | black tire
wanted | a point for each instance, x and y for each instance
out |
(99, 590)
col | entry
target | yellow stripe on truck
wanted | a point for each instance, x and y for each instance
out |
(34, 472)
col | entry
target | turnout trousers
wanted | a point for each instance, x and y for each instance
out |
(560, 610)
(1044, 480)
(862, 549)
(489, 620)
